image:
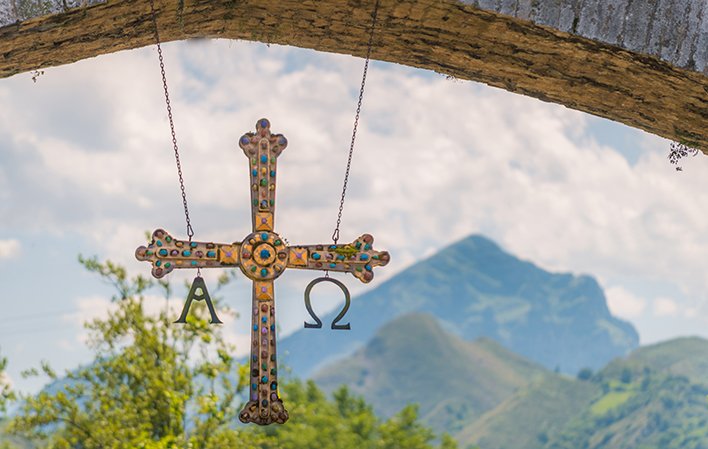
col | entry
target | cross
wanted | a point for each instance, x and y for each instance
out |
(262, 256)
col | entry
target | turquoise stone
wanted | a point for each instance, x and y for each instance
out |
(186, 253)
(158, 243)
(333, 265)
(162, 252)
(274, 386)
(272, 173)
(264, 379)
(158, 263)
(211, 253)
(255, 327)
(367, 246)
(265, 254)
(332, 246)
(264, 403)
(368, 267)
(272, 327)
(254, 386)
(264, 159)
(358, 245)
(264, 236)
(194, 263)
(340, 257)
(316, 256)
(364, 257)
(254, 172)
(264, 319)
(193, 244)
(264, 272)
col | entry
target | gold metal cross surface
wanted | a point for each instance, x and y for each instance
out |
(262, 256)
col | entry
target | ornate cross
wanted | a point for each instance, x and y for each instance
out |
(262, 256)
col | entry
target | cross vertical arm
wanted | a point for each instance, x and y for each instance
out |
(262, 149)
(264, 405)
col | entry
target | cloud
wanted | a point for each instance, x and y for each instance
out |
(435, 161)
(665, 307)
(9, 249)
(624, 303)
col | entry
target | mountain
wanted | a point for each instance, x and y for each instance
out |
(487, 396)
(478, 290)
(412, 359)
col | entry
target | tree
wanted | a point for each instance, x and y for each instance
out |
(155, 385)
(151, 384)
(6, 394)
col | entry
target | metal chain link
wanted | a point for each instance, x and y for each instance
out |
(335, 235)
(190, 231)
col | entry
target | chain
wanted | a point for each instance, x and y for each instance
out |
(335, 235)
(190, 231)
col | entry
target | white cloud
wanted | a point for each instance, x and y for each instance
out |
(5, 379)
(435, 161)
(9, 249)
(624, 303)
(665, 307)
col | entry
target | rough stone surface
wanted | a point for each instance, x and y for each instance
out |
(639, 62)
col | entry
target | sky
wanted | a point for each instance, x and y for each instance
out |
(86, 167)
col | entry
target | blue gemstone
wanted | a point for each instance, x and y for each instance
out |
(264, 204)
(254, 172)
(368, 267)
(264, 272)
(272, 173)
(255, 327)
(264, 379)
(264, 123)
(254, 358)
(265, 254)
(282, 140)
(245, 140)
(193, 244)
(158, 243)
(333, 265)
(186, 253)
(211, 254)
(367, 246)
(264, 319)
(254, 386)
(364, 257)
(264, 403)
(340, 257)
(274, 386)
(194, 263)
(332, 246)
(158, 263)
(162, 252)
(264, 236)
(316, 256)
(272, 327)
(264, 159)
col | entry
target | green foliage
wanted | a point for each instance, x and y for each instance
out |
(345, 422)
(6, 394)
(145, 376)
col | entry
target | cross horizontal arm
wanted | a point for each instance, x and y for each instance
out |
(166, 253)
(358, 258)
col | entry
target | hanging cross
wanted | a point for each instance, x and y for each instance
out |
(262, 256)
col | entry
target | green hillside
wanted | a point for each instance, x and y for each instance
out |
(485, 395)
(412, 359)
(531, 416)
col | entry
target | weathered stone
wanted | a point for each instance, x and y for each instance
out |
(642, 63)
